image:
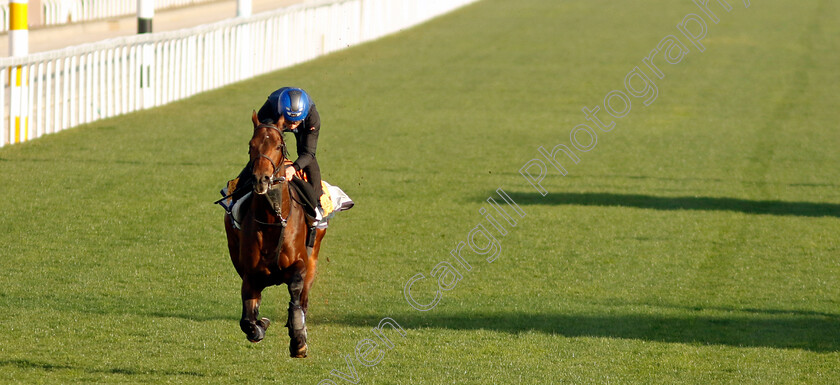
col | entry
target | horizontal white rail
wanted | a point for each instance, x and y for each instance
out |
(71, 11)
(51, 91)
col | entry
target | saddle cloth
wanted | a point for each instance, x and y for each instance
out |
(333, 200)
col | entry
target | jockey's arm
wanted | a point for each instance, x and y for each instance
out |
(308, 139)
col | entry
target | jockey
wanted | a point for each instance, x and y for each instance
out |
(302, 119)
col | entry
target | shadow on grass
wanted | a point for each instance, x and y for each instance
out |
(95, 161)
(813, 333)
(748, 310)
(682, 180)
(29, 364)
(193, 315)
(804, 209)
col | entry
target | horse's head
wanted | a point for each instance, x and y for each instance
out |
(268, 154)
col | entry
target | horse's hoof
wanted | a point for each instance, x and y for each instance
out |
(257, 336)
(255, 332)
(264, 323)
(298, 353)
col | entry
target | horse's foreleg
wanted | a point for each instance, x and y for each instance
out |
(297, 319)
(250, 323)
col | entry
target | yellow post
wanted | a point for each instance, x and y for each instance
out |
(18, 78)
(18, 27)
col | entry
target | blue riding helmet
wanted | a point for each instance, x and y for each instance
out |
(294, 104)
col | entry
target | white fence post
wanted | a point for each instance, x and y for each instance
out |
(145, 15)
(145, 76)
(243, 8)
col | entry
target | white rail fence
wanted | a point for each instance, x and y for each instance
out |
(71, 11)
(51, 91)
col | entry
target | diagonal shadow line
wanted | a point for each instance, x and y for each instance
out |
(749, 310)
(131, 162)
(685, 179)
(812, 333)
(218, 313)
(30, 364)
(769, 207)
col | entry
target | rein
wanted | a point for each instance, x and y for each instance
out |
(276, 205)
(276, 166)
(274, 196)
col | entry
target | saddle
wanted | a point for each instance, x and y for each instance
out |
(333, 199)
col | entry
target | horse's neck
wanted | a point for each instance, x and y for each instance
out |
(262, 210)
(289, 207)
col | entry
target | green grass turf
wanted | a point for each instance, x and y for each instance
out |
(696, 243)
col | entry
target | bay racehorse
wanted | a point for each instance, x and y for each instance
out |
(271, 247)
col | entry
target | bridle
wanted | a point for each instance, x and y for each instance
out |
(277, 167)
(273, 180)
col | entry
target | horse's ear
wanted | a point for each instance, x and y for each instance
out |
(254, 118)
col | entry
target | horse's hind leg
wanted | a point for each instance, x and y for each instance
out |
(307, 284)
(233, 243)
(254, 329)
(297, 319)
(311, 266)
